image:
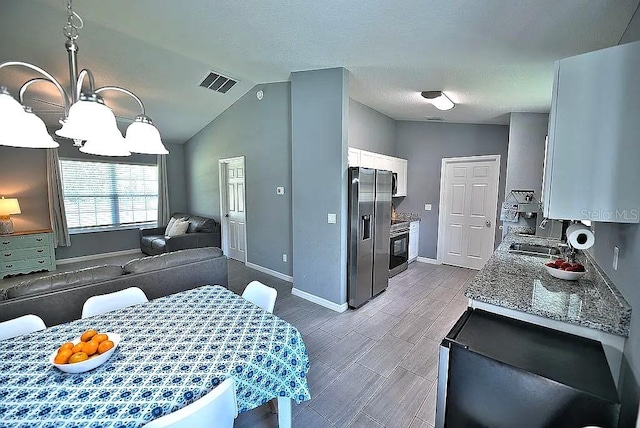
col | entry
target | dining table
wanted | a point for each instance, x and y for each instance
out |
(173, 350)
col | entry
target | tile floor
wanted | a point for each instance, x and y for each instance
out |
(373, 367)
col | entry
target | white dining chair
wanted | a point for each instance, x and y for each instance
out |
(261, 295)
(217, 409)
(110, 302)
(20, 326)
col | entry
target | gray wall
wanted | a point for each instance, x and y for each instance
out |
(319, 132)
(260, 131)
(424, 144)
(23, 175)
(627, 238)
(371, 130)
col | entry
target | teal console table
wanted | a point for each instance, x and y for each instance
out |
(26, 252)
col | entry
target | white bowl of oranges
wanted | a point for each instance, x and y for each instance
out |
(85, 353)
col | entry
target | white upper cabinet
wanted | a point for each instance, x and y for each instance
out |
(366, 159)
(592, 167)
(354, 157)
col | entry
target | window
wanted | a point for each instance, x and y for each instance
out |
(109, 195)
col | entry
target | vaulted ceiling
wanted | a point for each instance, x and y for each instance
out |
(492, 57)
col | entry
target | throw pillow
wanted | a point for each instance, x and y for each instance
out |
(179, 228)
(169, 226)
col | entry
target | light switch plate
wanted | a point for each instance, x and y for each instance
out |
(280, 190)
(616, 253)
(284, 258)
(331, 218)
(427, 207)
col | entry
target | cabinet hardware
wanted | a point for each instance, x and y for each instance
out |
(7, 254)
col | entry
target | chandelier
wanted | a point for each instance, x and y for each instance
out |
(87, 120)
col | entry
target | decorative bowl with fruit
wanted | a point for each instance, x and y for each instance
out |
(85, 353)
(564, 270)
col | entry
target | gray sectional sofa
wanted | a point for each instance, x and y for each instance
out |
(202, 232)
(58, 298)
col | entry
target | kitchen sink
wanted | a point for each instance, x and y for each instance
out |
(533, 250)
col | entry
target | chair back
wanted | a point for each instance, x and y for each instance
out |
(20, 326)
(217, 409)
(110, 302)
(261, 295)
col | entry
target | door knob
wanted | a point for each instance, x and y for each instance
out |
(488, 223)
(226, 215)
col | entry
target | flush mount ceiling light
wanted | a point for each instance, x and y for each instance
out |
(88, 121)
(438, 99)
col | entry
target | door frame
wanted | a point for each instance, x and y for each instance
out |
(222, 185)
(441, 205)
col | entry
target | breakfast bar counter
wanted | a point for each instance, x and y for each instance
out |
(520, 282)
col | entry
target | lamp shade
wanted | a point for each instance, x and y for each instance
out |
(87, 120)
(439, 100)
(9, 107)
(143, 137)
(26, 130)
(106, 145)
(9, 206)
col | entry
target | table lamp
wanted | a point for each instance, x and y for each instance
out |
(7, 207)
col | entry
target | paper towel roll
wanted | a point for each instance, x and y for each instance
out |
(580, 236)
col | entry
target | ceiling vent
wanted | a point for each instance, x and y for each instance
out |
(434, 119)
(217, 82)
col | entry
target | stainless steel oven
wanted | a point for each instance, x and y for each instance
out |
(398, 248)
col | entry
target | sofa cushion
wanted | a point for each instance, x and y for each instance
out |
(64, 280)
(198, 223)
(179, 228)
(175, 258)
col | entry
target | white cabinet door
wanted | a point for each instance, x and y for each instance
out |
(401, 165)
(384, 162)
(592, 157)
(414, 240)
(367, 159)
(354, 157)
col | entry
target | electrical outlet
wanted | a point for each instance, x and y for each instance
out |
(284, 258)
(427, 207)
(280, 190)
(331, 218)
(616, 253)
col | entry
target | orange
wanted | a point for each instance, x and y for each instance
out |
(90, 347)
(78, 357)
(87, 335)
(99, 338)
(67, 345)
(63, 356)
(105, 346)
(78, 348)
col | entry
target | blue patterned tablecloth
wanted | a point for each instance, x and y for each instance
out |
(173, 351)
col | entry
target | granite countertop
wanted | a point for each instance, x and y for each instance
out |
(520, 282)
(408, 216)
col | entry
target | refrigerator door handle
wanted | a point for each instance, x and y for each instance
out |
(366, 227)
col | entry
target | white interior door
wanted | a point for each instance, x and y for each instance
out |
(234, 226)
(468, 206)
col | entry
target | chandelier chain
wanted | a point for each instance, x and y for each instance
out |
(74, 23)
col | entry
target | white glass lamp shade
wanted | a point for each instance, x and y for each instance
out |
(142, 137)
(111, 144)
(9, 206)
(439, 100)
(87, 120)
(27, 131)
(9, 107)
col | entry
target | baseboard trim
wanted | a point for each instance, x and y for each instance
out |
(428, 260)
(319, 300)
(96, 256)
(269, 271)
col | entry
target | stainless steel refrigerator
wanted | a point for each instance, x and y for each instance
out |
(368, 235)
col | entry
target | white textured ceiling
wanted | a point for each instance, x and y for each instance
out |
(492, 57)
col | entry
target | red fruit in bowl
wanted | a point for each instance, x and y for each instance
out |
(579, 268)
(551, 264)
(565, 265)
(570, 269)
